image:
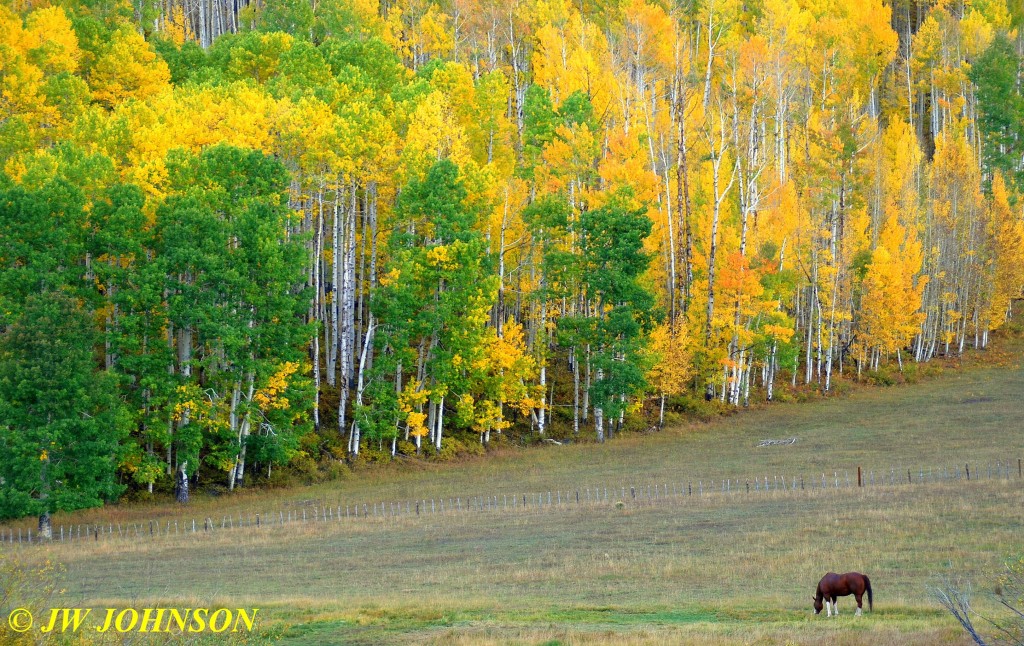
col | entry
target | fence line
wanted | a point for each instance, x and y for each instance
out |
(318, 512)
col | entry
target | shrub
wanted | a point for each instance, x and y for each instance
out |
(839, 387)
(638, 424)
(281, 479)
(672, 418)
(880, 377)
(405, 447)
(25, 585)
(695, 406)
(911, 374)
(459, 446)
(304, 467)
(451, 448)
(782, 395)
(373, 455)
(473, 446)
(955, 597)
(335, 469)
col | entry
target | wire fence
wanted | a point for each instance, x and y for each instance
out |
(318, 511)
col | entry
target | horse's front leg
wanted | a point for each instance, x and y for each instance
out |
(828, 607)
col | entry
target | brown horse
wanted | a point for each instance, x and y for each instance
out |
(834, 585)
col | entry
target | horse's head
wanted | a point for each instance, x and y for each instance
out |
(818, 605)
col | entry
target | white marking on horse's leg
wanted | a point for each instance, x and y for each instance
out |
(828, 608)
(835, 607)
(858, 612)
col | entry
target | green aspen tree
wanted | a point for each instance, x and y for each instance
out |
(63, 423)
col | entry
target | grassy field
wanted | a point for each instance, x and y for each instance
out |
(723, 568)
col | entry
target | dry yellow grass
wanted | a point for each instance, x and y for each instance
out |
(725, 568)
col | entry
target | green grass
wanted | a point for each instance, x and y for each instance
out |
(725, 568)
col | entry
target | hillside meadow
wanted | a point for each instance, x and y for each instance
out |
(661, 566)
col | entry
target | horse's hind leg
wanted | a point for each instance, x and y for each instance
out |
(835, 606)
(859, 596)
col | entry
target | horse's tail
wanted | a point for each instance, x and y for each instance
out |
(867, 584)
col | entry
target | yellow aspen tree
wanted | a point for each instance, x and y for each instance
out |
(957, 206)
(891, 303)
(1006, 229)
(574, 57)
(50, 40)
(671, 363)
(128, 69)
(24, 111)
(434, 134)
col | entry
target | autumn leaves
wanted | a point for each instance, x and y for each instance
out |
(309, 230)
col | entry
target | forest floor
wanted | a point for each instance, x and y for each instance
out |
(639, 567)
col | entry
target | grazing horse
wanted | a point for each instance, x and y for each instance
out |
(834, 585)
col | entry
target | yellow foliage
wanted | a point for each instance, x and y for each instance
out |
(671, 360)
(488, 417)
(410, 402)
(1007, 233)
(626, 166)
(390, 278)
(129, 69)
(191, 118)
(440, 257)
(176, 27)
(21, 82)
(415, 421)
(891, 305)
(433, 134)
(573, 56)
(269, 397)
(190, 403)
(51, 38)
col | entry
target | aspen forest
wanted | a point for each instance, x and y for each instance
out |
(239, 238)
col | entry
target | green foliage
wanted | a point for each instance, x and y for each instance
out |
(539, 123)
(613, 262)
(63, 424)
(195, 263)
(371, 58)
(187, 63)
(577, 110)
(294, 17)
(437, 293)
(40, 243)
(234, 282)
(1001, 107)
